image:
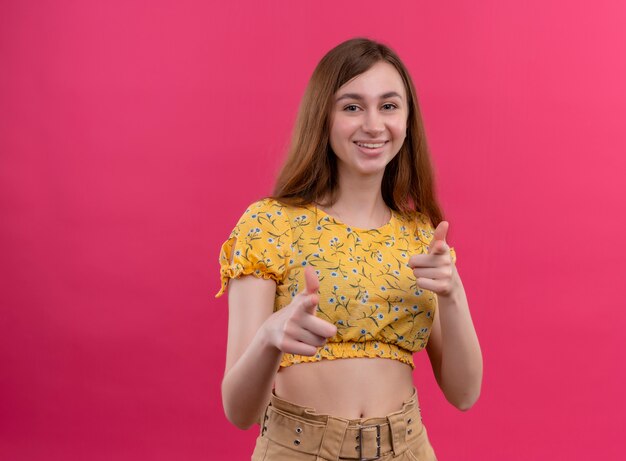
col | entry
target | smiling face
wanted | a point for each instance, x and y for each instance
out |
(369, 121)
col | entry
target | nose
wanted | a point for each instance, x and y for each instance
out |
(373, 123)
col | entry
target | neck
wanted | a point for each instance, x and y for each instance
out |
(360, 203)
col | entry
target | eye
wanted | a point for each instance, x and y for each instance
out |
(389, 106)
(351, 108)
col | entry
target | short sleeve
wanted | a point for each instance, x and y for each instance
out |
(453, 254)
(259, 245)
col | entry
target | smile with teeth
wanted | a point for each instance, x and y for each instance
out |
(371, 145)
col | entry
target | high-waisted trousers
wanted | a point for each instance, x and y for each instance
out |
(290, 432)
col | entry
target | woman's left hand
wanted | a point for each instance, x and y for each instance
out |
(436, 271)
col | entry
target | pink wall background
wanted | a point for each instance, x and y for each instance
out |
(134, 134)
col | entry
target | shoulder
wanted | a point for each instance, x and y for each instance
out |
(265, 206)
(263, 213)
(276, 212)
(421, 226)
(417, 228)
(416, 221)
(259, 244)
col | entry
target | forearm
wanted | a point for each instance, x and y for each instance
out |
(461, 358)
(247, 386)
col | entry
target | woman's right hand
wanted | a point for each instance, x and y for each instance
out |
(295, 329)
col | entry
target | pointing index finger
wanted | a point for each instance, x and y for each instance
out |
(439, 235)
(312, 284)
(311, 287)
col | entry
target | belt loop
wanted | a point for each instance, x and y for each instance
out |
(263, 417)
(398, 433)
(332, 439)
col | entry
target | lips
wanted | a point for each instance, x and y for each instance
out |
(371, 145)
(371, 149)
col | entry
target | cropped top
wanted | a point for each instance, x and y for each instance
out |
(367, 290)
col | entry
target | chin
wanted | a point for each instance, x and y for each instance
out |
(377, 169)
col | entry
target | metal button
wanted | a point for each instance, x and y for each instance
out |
(409, 431)
(296, 442)
(409, 421)
(298, 430)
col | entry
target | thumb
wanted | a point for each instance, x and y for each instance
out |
(438, 244)
(311, 286)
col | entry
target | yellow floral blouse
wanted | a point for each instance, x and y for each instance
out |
(367, 290)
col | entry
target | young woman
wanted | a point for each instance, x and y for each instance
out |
(344, 273)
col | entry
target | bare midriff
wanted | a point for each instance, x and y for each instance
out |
(351, 388)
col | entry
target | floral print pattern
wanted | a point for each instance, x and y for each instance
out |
(367, 290)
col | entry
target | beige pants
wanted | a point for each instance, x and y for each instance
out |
(293, 433)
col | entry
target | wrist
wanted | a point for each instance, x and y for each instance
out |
(264, 339)
(452, 296)
(449, 299)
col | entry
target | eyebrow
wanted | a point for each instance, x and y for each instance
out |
(358, 97)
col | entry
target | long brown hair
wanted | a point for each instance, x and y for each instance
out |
(310, 170)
